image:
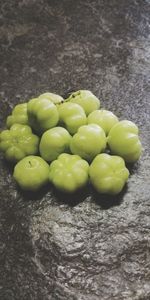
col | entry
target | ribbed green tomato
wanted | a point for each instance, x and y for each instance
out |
(89, 141)
(56, 99)
(18, 142)
(31, 173)
(104, 118)
(19, 115)
(72, 116)
(108, 174)
(42, 114)
(123, 140)
(86, 99)
(69, 173)
(54, 142)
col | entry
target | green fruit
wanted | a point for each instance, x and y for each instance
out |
(18, 142)
(19, 115)
(31, 173)
(56, 99)
(86, 99)
(72, 116)
(104, 118)
(123, 140)
(89, 141)
(108, 174)
(69, 173)
(54, 142)
(42, 114)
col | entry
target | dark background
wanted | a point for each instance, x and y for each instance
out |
(84, 247)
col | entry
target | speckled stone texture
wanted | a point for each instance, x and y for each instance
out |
(83, 247)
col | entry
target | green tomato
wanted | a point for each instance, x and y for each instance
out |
(19, 115)
(123, 140)
(42, 114)
(72, 116)
(104, 118)
(56, 99)
(69, 173)
(31, 173)
(54, 142)
(18, 142)
(89, 141)
(108, 174)
(86, 99)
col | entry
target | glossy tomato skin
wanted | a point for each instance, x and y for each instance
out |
(31, 173)
(123, 140)
(42, 114)
(108, 174)
(71, 116)
(104, 118)
(18, 142)
(89, 141)
(54, 142)
(86, 99)
(69, 173)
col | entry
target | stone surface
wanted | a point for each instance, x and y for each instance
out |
(84, 247)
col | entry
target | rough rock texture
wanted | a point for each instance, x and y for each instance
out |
(84, 247)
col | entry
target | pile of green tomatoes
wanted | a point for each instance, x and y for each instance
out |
(70, 143)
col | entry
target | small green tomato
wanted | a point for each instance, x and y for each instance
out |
(69, 173)
(42, 114)
(31, 173)
(89, 141)
(18, 142)
(108, 174)
(86, 99)
(104, 118)
(54, 142)
(56, 99)
(19, 115)
(72, 116)
(123, 140)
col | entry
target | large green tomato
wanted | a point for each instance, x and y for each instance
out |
(18, 142)
(69, 173)
(19, 115)
(72, 116)
(89, 141)
(104, 118)
(123, 140)
(54, 142)
(86, 99)
(42, 114)
(56, 99)
(31, 173)
(108, 174)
